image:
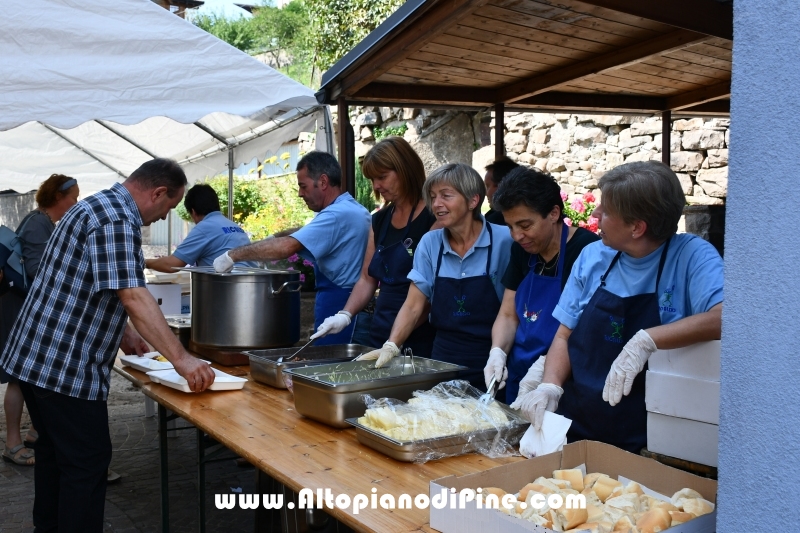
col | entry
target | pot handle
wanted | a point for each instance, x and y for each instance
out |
(280, 289)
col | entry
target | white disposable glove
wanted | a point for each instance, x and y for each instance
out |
(534, 403)
(496, 368)
(333, 324)
(533, 377)
(223, 263)
(627, 366)
(383, 355)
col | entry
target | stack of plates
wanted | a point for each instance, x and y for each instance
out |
(171, 378)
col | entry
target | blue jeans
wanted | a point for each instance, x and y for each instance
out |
(73, 453)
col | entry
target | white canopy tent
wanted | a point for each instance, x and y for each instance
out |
(92, 89)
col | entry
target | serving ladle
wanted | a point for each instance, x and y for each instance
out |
(295, 354)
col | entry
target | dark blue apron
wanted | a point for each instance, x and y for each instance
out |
(330, 300)
(535, 301)
(608, 322)
(463, 311)
(390, 265)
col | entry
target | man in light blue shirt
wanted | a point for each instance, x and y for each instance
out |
(213, 235)
(335, 240)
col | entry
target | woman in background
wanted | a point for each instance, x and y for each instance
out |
(54, 198)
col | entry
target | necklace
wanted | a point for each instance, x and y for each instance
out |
(544, 266)
(47, 215)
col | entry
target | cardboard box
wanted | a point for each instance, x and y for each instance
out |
(597, 457)
(685, 439)
(168, 297)
(683, 397)
(699, 361)
(186, 304)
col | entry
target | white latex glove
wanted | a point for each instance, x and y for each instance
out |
(496, 368)
(534, 403)
(383, 355)
(627, 366)
(223, 263)
(532, 378)
(333, 324)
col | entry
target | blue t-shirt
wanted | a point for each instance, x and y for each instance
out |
(691, 282)
(336, 240)
(473, 264)
(210, 238)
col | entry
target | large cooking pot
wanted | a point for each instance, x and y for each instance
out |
(244, 309)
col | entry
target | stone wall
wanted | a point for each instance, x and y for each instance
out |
(576, 149)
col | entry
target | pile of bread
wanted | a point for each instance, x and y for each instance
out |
(611, 507)
(430, 416)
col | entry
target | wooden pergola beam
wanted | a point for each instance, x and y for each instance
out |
(442, 15)
(699, 96)
(616, 103)
(715, 108)
(425, 95)
(703, 16)
(615, 59)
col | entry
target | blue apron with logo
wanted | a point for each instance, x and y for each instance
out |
(463, 311)
(330, 300)
(390, 265)
(606, 324)
(535, 301)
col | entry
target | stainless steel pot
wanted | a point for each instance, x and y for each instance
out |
(245, 308)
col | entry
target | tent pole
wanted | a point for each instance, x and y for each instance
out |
(169, 232)
(230, 183)
(82, 149)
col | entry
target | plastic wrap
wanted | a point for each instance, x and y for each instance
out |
(446, 421)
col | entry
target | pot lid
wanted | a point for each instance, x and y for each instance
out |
(237, 271)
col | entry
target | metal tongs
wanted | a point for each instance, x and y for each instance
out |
(408, 353)
(487, 397)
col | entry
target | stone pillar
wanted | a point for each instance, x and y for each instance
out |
(708, 222)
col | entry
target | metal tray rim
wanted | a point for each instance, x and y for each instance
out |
(411, 378)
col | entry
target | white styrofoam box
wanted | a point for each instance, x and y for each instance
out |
(168, 297)
(699, 361)
(689, 398)
(685, 439)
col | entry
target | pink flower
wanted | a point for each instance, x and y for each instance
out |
(591, 224)
(589, 197)
(563, 196)
(290, 268)
(307, 263)
(302, 277)
(578, 206)
(567, 221)
(293, 258)
(581, 224)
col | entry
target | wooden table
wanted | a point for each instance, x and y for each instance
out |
(261, 424)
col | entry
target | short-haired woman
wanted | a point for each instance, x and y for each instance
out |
(542, 256)
(457, 271)
(397, 176)
(642, 288)
(53, 198)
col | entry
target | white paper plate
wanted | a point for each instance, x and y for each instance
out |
(171, 378)
(145, 364)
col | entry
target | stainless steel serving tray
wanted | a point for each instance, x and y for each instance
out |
(265, 369)
(437, 448)
(332, 393)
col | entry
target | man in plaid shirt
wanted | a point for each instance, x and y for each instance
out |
(63, 344)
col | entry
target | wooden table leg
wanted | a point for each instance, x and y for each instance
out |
(162, 445)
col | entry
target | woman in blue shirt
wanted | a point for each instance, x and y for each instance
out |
(457, 270)
(642, 288)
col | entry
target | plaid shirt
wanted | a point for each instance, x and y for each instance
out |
(67, 335)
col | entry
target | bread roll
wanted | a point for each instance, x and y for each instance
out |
(679, 517)
(535, 487)
(603, 487)
(589, 479)
(493, 490)
(627, 502)
(547, 483)
(696, 506)
(654, 521)
(624, 525)
(591, 527)
(633, 488)
(595, 512)
(562, 483)
(538, 520)
(618, 491)
(661, 504)
(591, 498)
(572, 517)
(574, 476)
(682, 494)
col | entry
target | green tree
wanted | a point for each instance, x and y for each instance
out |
(365, 195)
(236, 32)
(339, 25)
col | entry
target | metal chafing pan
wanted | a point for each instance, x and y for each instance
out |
(430, 449)
(181, 326)
(332, 393)
(265, 369)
